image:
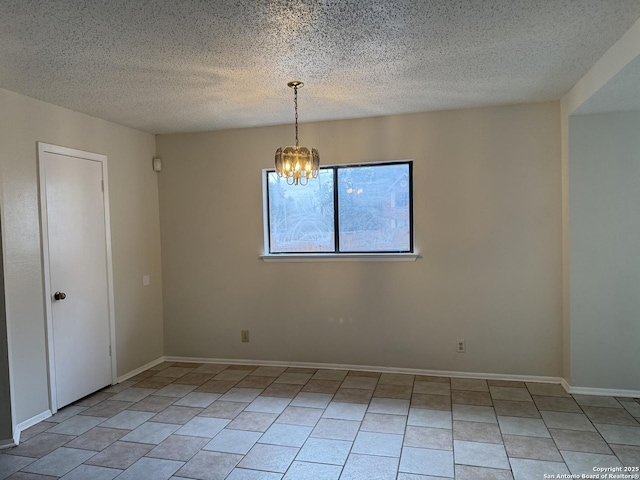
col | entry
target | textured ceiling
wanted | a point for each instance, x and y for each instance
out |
(191, 65)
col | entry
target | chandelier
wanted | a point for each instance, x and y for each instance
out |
(297, 164)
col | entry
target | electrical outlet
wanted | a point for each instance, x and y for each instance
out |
(244, 334)
(460, 346)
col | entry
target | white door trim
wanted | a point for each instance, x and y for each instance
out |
(70, 152)
(7, 312)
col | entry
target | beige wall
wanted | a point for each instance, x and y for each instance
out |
(487, 202)
(604, 194)
(609, 67)
(134, 231)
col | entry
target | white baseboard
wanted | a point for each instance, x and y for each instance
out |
(335, 366)
(610, 392)
(371, 368)
(7, 443)
(141, 369)
(28, 423)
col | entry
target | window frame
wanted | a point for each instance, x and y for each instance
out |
(337, 255)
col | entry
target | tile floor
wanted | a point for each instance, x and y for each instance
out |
(238, 422)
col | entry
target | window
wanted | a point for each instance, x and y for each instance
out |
(363, 208)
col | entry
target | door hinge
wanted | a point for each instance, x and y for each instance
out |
(109, 350)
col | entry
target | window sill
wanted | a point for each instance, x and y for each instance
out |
(339, 257)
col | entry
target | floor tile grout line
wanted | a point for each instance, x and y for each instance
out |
(380, 377)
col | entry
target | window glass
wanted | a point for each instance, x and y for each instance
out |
(347, 209)
(301, 218)
(373, 208)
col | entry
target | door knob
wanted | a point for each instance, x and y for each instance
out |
(59, 295)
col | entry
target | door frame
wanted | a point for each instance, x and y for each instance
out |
(14, 432)
(44, 148)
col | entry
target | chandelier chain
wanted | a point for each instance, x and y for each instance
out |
(295, 103)
(297, 164)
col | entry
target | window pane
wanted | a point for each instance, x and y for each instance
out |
(301, 217)
(374, 208)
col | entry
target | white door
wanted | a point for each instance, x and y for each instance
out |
(75, 234)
